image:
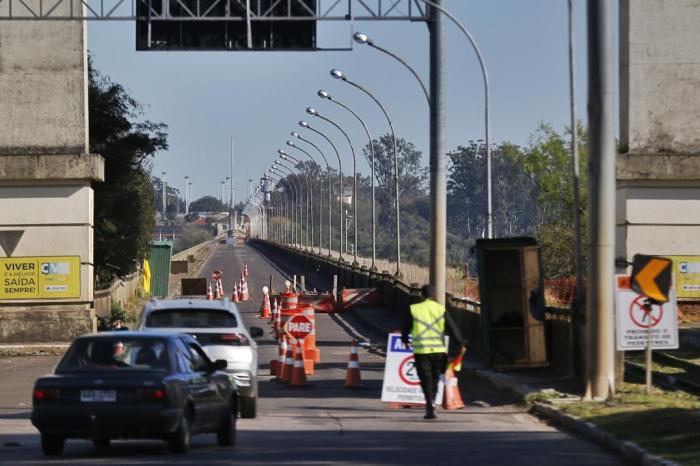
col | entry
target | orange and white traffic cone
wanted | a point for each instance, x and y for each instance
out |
(274, 363)
(298, 376)
(452, 398)
(273, 314)
(265, 307)
(245, 296)
(311, 351)
(220, 285)
(210, 296)
(277, 324)
(245, 270)
(281, 357)
(352, 376)
(240, 291)
(288, 361)
(234, 295)
(216, 289)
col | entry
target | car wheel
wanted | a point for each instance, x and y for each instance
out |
(179, 441)
(52, 445)
(226, 435)
(249, 407)
(101, 442)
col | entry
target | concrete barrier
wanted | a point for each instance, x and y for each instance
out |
(120, 291)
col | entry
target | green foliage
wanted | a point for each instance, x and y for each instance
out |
(191, 236)
(124, 202)
(207, 204)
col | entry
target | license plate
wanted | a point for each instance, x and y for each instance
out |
(98, 396)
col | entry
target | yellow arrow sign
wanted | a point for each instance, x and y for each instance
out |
(646, 278)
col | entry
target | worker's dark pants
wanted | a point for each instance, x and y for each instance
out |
(429, 368)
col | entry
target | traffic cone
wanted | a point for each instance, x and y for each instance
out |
(352, 377)
(265, 308)
(281, 356)
(216, 290)
(244, 291)
(274, 363)
(286, 373)
(452, 398)
(298, 376)
(234, 295)
(220, 286)
(240, 291)
(245, 270)
(277, 324)
(273, 314)
(210, 296)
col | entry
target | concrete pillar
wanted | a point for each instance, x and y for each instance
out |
(658, 175)
(46, 172)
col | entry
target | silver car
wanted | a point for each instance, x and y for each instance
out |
(219, 329)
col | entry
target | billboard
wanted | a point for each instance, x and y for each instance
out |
(686, 271)
(223, 25)
(55, 277)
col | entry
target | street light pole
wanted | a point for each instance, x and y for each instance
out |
(311, 199)
(187, 193)
(296, 192)
(364, 39)
(325, 95)
(304, 124)
(164, 195)
(284, 157)
(337, 74)
(313, 112)
(328, 173)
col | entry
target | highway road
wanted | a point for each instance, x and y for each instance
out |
(325, 424)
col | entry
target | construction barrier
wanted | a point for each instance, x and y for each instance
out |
(359, 297)
(322, 302)
(311, 352)
(290, 303)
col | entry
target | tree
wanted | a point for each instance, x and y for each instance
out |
(124, 212)
(547, 161)
(207, 204)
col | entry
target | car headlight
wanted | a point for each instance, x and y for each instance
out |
(241, 379)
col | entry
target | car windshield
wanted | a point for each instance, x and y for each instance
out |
(115, 354)
(191, 318)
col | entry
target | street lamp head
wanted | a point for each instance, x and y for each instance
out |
(303, 124)
(311, 111)
(337, 74)
(281, 152)
(294, 134)
(361, 38)
(290, 143)
(324, 95)
(277, 162)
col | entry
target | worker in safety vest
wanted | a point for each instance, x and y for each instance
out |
(426, 326)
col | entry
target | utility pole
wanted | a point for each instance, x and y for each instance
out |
(187, 195)
(600, 361)
(438, 181)
(231, 212)
(165, 197)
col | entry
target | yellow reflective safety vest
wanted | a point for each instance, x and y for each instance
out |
(428, 331)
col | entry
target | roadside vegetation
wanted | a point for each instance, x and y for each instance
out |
(666, 423)
(124, 202)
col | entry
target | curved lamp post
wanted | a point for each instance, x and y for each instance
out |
(320, 198)
(364, 39)
(292, 168)
(314, 112)
(304, 124)
(337, 74)
(289, 232)
(328, 172)
(297, 211)
(325, 95)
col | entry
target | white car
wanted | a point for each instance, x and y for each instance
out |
(219, 329)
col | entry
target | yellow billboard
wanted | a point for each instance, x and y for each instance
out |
(686, 270)
(40, 277)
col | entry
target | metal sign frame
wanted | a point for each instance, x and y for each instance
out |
(204, 10)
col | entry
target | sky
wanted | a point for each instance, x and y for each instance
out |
(257, 98)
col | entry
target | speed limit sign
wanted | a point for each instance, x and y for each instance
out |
(401, 383)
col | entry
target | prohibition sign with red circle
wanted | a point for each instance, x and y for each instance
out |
(407, 369)
(643, 317)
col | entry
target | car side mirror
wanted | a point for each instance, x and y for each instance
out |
(220, 364)
(256, 332)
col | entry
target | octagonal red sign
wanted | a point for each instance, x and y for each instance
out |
(299, 327)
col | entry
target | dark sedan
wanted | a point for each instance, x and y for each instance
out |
(134, 385)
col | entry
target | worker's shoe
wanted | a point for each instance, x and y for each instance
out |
(429, 412)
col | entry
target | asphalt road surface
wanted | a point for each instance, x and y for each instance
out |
(325, 424)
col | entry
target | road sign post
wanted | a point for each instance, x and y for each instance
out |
(643, 323)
